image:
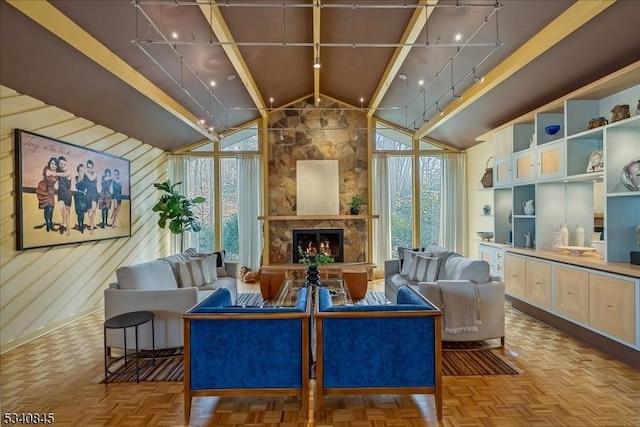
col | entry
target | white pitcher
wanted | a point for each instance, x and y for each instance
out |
(528, 207)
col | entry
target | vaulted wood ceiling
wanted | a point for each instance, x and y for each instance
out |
(117, 63)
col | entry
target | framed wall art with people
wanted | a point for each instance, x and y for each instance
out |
(67, 193)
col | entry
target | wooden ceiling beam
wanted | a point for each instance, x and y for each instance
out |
(316, 51)
(49, 17)
(410, 35)
(564, 25)
(223, 34)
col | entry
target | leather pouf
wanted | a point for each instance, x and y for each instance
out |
(270, 283)
(356, 281)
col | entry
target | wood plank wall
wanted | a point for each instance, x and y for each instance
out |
(43, 289)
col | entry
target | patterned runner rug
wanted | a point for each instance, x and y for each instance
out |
(458, 359)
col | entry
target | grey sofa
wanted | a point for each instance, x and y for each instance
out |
(156, 286)
(459, 286)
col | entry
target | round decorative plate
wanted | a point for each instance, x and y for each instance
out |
(577, 250)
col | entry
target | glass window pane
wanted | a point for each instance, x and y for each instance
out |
(229, 202)
(401, 195)
(201, 183)
(388, 139)
(243, 140)
(430, 200)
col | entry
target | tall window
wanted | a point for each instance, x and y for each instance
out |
(403, 179)
(229, 202)
(201, 183)
(430, 179)
(202, 174)
(401, 199)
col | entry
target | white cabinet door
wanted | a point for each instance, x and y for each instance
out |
(503, 142)
(502, 171)
(551, 160)
(523, 167)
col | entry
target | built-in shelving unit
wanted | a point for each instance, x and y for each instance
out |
(556, 171)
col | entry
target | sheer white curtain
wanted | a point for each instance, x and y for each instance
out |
(453, 204)
(178, 173)
(381, 202)
(249, 205)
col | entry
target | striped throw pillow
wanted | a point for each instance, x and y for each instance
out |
(193, 273)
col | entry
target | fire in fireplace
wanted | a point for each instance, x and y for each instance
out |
(327, 241)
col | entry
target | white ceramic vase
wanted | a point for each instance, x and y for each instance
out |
(579, 235)
(564, 232)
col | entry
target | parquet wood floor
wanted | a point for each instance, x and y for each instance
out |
(564, 383)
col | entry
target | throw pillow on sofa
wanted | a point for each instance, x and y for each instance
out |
(426, 269)
(409, 264)
(402, 250)
(221, 269)
(194, 273)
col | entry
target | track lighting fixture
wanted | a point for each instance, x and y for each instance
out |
(477, 79)
(316, 63)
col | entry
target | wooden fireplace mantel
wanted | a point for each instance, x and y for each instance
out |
(315, 217)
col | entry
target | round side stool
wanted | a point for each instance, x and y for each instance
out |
(124, 321)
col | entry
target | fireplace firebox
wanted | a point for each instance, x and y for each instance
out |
(328, 241)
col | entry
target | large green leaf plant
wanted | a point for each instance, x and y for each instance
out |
(176, 209)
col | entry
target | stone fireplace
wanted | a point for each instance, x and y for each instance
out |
(312, 241)
(331, 131)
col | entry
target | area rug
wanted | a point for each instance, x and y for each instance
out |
(458, 359)
(454, 363)
(477, 362)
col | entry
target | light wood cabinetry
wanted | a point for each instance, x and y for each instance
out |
(529, 279)
(605, 303)
(612, 306)
(572, 293)
(539, 283)
(515, 269)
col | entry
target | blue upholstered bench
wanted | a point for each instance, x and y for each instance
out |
(385, 349)
(232, 350)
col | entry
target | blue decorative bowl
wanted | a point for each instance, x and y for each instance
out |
(552, 129)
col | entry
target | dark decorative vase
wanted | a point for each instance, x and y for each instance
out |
(313, 276)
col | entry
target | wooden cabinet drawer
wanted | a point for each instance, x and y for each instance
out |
(538, 283)
(572, 293)
(515, 276)
(612, 307)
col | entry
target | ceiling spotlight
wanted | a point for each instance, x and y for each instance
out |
(174, 35)
(477, 79)
(420, 82)
(439, 110)
(316, 63)
(231, 77)
(213, 83)
(458, 37)
(457, 97)
(402, 76)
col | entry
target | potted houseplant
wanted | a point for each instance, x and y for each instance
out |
(313, 261)
(354, 206)
(175, 210)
